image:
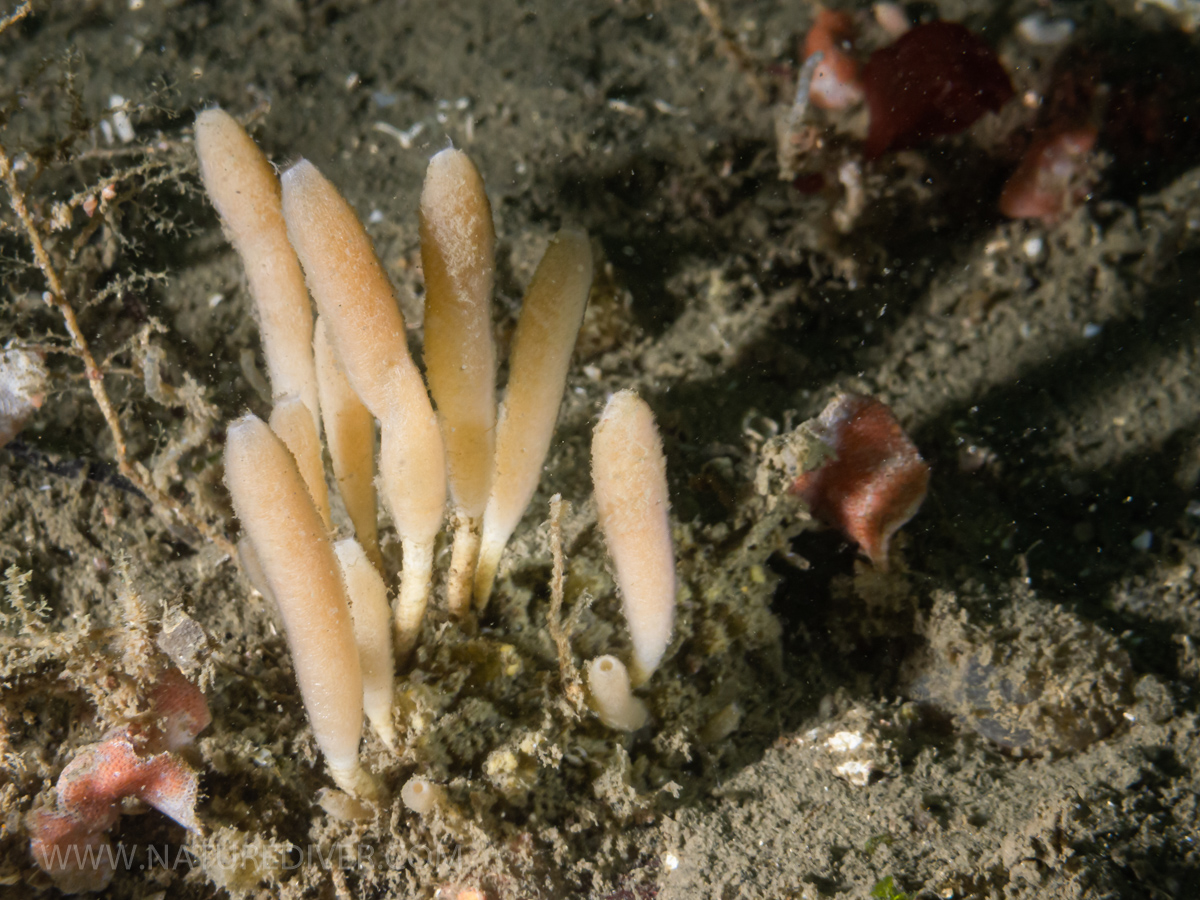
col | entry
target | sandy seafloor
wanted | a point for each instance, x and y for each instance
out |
(1018, 696)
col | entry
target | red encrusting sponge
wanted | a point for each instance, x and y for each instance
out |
(876, 481)
(936, 79)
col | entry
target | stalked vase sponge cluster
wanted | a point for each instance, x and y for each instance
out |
(475, 718)
(350, 373)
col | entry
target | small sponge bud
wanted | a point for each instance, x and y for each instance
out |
(421, 795)
(612, 698)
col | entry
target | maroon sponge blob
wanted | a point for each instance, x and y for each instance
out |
(936, 79)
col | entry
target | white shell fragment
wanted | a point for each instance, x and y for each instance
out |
(1041, 31)
(23, 379)
(855, 746)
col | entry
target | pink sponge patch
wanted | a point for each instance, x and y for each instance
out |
(77, 857)
(95, 782)
(181, 710)
(68, 842)
(835, 83)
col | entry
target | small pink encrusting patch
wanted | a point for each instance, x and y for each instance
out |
(876, 481)
(77, 857)
(1053, 176)
(835, 81)
(68, 841)
(179, 708)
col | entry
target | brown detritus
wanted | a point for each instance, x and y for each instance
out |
(1038, 680)
(182, 639)
(722, 724)
(86, 660)
(729, 45)
(560, 631)
(608, 320)
(241, 861)
(190, 399)
(134, 639)
(57, 298)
